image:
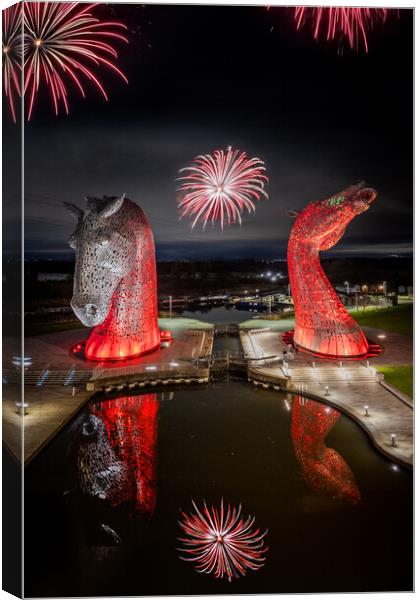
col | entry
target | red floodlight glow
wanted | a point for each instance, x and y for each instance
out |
(115, 279)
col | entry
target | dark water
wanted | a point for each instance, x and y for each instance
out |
(227, 343)
(339, 515)
(221, 314)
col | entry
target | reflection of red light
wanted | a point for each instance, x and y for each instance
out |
(322, 324)
(131, 424)
(323, 468)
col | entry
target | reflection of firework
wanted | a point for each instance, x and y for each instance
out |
(12, 57)
(62, 42)
(222, 542)
(220, 186)
(333, 22)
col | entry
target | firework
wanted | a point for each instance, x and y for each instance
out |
(12, 54)
(219, 186)
(63, 43)
(222, 542)
(351, 24)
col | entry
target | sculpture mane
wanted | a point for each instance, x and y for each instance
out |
(115, 278)
(322, 324)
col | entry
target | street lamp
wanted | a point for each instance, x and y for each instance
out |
(21, 408)
(22, 361)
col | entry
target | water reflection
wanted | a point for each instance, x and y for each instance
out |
(232, 442)
(325, 471)
(116, 457)
(221, 542)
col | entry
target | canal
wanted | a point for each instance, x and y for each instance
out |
(221, 314)
(103, 500)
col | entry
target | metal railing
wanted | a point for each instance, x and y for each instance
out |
(161, 370)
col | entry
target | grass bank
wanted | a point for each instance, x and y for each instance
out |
(399, 376)
(397, 318)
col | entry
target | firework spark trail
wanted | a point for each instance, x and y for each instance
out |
(222, 542)
(350, 23)
(220, 186)
(62, 42)
(12, 54)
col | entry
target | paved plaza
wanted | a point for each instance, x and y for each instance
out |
(349, 385)
(55, 381)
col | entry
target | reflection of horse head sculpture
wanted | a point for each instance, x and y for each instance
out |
(322, 324)
(101, 473)
(115, 278)
(324, 470)
(117, 456)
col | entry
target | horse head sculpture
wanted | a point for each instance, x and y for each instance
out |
(322, 324)
(114, 287)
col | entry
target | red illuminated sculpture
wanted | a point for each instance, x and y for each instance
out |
(324, 470)
(322, 324)
(115, 278)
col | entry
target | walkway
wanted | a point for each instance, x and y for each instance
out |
(54, 375)
(48, 410)
(351, 387)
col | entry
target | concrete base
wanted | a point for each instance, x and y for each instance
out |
(55, 381)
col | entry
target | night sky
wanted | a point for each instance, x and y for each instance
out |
(202, 78)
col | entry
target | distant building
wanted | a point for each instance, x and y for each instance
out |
(352, 289)
(53, 277)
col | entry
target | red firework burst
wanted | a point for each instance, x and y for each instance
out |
(351, 24)
(219, 186)
(12, 54)
(64, 42)
(222, 542)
